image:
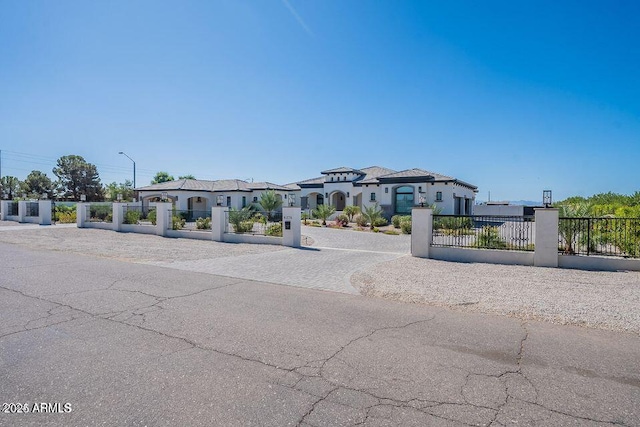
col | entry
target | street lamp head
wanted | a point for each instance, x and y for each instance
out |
(120, 152)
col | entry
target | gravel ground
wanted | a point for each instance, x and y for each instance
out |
(127, 246)
(604, 300)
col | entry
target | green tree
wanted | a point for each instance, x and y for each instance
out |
(323, 212)
(9, 187)
(126, 189)
(188, 176)
(162, 177)
(371, 214)
(76, 177)
(570, 231)
(351, 211)
(36, 184)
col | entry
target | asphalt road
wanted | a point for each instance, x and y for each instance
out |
(134, 345)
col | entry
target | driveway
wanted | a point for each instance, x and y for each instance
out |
(136, 344)
(358, 240)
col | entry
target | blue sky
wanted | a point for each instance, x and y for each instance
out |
(514, 97)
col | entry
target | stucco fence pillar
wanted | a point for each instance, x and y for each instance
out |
(218, 222)
(291, 226)
(118, 216)
(421, 231)
(22, 210)
(4, 206)
(81, 214)
(44, 212)
(164, 218)
(546, 237)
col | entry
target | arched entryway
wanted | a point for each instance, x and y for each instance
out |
(198, 207)
(339, 200)
(403, 200)
(314, 200)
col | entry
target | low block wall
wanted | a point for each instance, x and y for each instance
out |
(141, 229)
(491, 256)
(248, 238)
(598, 263)
(183, 234)
(31, 219)
(99, 225)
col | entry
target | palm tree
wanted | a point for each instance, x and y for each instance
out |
(323, 212)
(569, 230)
(372, 214)
(270, 202)
(351, 211)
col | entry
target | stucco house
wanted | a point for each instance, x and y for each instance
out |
(201, 195)
(396, 192)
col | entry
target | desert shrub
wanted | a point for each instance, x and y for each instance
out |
(100, 212)
(274, 229)
(66, 217)
(152, 216)
(342, 220)
(314, 224)
(131, 217)
(452, 223)
(391, 232)
(376, 230)
(203, 223)
(243, 226)
(361, 221)
(405, 225)
(380, 222)
(177, 222)
(489, 238)
(397, 219)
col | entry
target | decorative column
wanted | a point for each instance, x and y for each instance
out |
(291, 226)
(163, 218)
(44, 210)
(218, 222)
(421, 231)
(546, 243)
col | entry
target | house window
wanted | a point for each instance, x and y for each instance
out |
(244, 201)
(255, 199)
(319, 200)
(344, 178)
(419, 189)
(386, 190)
(228, 200)
(438, 196)
(373, 197)
(404, 199)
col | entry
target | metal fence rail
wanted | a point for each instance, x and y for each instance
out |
(254, 223)
(12, 208)
(99, 212)
(33, 209)
(484, 232)
(599, 236)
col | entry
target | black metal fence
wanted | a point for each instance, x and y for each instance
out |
(599, 236)
(192, 220)
(33, 209)
(102, 212)
(12, 209)
(136, 214)
(484, 232)
(254, 223)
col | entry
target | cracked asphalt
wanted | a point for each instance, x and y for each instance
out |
(143, 345)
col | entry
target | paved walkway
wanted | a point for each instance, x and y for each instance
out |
(327, 265)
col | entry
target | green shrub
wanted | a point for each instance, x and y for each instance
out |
(361, 221)
(489, 238)
(274, 230)
(177, 222)
(405, 225)
(152, 217)
(397, 219)
(380, 222)
(100, 212)
(314, 224)
(376, 230)
(351, 211)
(243, 226)
(203, 223)
(131, 217)
(391, 232)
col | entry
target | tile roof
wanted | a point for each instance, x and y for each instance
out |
(342, 169)
(417, 173)
(219, 185)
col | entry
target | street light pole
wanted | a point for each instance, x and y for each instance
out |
(134, 168)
